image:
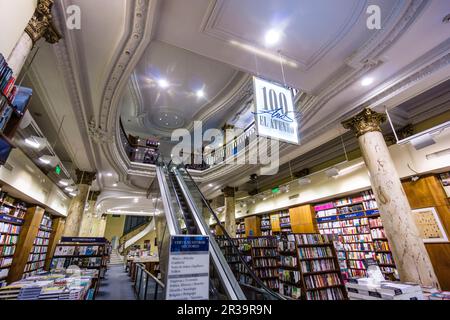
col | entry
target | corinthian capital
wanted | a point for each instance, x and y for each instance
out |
(41, 24)
(365, 121)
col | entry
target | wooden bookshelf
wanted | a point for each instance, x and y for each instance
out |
(25, 244)
(355, 223)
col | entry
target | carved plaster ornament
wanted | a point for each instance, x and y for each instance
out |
(97, 134)
(41, 24)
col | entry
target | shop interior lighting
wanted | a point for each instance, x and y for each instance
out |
(35, 142)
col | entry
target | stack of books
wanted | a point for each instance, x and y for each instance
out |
(367, 289)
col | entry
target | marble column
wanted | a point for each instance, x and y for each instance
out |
(77, 204)
(40, 26)
(230, 211)
(407, 247)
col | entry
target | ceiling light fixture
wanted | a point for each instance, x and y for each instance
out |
(69, 189)
(200, 93)
(73, 194)
(46, 159)
(265, 54)
(366, 82)
(36, 142)
(136, 200)
(64, 182)
(272, 37)
(109, 174)
(163, 83)
(114, 185)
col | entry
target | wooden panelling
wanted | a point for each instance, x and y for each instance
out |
(253, 226)
(55, 236)
(428, 192)
(27, 236)
(302, 219)
(275, 222)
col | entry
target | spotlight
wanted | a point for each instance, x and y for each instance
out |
(272, 37)
(163, 83)
(200, 93)
(366, 82)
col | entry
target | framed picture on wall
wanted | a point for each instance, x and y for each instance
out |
(429, 225)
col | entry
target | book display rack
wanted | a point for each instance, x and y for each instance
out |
(266, 228)
(285, 222)
(83, 253)
(359, 234)
(266, 260)
(309, 268)
(38, 254)
(14, 101)
(240, 228)
(12, 213)
(232, 257)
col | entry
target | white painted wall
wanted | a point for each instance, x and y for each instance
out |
(322, 187)
(14, 15)
(28, 179)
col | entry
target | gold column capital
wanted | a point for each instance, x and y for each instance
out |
(41, 24)
(228, 192)
(365, 121)
(84, 177)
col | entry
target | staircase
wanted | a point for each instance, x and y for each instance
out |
(115, 258)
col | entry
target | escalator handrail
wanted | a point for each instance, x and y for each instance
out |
(249, 270)
(229, 280)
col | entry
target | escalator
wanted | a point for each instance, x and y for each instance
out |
(183, 207)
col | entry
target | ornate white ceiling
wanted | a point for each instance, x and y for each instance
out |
(111, 63)
(157, 111)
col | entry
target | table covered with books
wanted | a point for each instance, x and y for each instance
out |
(151, 264)
(53, 286)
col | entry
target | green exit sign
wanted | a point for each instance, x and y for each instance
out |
(276, 190)
(58, 169)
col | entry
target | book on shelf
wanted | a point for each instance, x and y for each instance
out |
(358, 231)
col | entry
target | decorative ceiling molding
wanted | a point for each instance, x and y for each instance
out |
(142, 21)
(210, 27)
(367, 57)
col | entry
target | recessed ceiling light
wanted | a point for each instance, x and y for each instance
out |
(33, 142)
(109, 174)
(210, 185)
(114, 185)
(200, 93)
(69, 189)
(163, 83)
(44, 160)
(136, 200)
(64, 183)
(366, 82)
(272, 37)
(73, 194)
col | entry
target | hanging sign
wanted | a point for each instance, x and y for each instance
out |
(275, 116)
(188, 270)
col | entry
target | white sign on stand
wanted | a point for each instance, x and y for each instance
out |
(188, 270)
(275, 116)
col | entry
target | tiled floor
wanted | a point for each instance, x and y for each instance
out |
(116, 285)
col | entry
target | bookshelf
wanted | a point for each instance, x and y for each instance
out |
(266, 260)
(14, 101)
(266, 227)
(232, 257)
(38, 254)
(289, 274)
(285, 222)
(359, 233)
(12, 214)
(322, 279)
(309, 268)
(240, 228)
(84, 253)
